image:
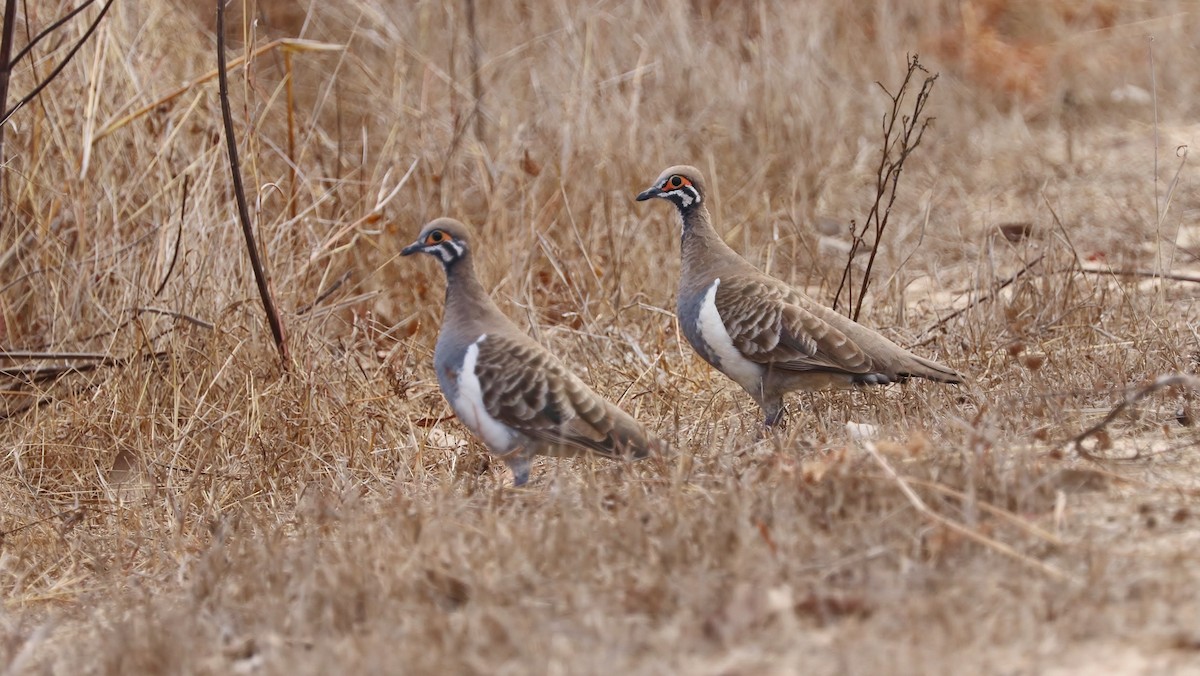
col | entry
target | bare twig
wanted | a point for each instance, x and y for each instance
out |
(925, 336)
(6, 40)
(48, 30)
(1161, 382)
(950, 524)
(33, 93)
(66, 512)
(239, 192)
(326, 293)
(27, 355)
(178, 239)
(40, 373)
(290, 76)
(1154, 99)
(195, 321)
(897, 145)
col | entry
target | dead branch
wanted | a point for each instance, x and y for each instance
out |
(29, 355)
(55, 25)
(925, 338)
(897, 145)
(195, 321)
(239, 193)
(1161, 382)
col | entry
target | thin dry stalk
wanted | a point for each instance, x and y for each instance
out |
(6, 41)
(925, 338)
(45, 82)
(239, 192)
(54, 25)
(290, 76)
(950, 524)
(1013, 519)
(178, 239)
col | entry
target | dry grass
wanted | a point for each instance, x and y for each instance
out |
(188, 506)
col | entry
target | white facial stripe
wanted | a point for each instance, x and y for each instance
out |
(687, 194)
(450, 250)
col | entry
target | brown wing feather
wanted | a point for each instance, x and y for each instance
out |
(772, 324)
(526, 388)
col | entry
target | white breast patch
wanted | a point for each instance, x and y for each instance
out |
(712, 329)
(470, 409)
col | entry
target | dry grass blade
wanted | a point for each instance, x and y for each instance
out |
(950, 524)
(1012, 519)
(289, 44)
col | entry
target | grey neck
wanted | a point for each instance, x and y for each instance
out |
(467, 302)
(705, 253)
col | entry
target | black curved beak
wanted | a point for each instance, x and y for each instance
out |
(649, 193)
(411, 249)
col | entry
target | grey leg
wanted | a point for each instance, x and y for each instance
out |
(774, 413)
(519, 464)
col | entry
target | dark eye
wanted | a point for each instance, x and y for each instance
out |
(436, 236)
(676, 181)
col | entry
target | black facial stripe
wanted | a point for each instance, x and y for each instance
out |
(684, 197)
(448, 250)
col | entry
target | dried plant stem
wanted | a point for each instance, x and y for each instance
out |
(1013, 519)
(286, 43)
(54, 25)
(1145, 274)
(239, 192)
(6, 40)
(950, 524)
(33, 93)
(290, 75)
(178, 239)
(22, 355)
(1161, 382)
(897, 145)
(925, 337)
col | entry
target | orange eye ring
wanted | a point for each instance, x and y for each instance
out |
(435, 237)
(676, 181)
